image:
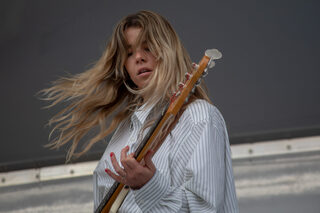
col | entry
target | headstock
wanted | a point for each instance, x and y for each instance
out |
(192, 80)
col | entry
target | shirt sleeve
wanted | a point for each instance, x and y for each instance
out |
(203, 187)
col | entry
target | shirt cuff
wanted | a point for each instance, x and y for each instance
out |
(147, 196)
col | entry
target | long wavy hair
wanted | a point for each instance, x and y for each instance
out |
(105, 92)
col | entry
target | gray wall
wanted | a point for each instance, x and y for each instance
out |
(266, 85)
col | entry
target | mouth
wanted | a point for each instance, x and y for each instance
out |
(144, 70)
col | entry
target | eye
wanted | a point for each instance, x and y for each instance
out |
(129, 54)
(145, 47)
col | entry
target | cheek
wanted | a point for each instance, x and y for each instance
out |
(126, 64)
(129, 70)
(153, 61)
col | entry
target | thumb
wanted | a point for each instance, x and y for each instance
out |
(148, 160)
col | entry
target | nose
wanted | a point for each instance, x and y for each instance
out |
(140, 56)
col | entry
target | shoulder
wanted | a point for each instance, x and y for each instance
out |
(200, 111)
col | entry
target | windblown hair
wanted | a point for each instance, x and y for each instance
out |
(106, 92)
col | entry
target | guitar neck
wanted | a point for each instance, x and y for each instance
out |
(117, 187)
(151, 131)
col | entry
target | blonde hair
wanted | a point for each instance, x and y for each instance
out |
(106, 92)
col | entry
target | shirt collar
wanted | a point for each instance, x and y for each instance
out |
(142, 113)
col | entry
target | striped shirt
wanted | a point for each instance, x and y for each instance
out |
(194, 170)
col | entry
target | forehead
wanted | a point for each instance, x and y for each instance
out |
(132, 35)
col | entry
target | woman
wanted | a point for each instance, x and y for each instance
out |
(141, 67)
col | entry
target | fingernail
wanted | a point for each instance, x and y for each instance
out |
(106, 170)
(127, 147)
(111, 154)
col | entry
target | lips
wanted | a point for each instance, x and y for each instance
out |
(144, 70)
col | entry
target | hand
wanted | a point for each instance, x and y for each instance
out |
(133, 174)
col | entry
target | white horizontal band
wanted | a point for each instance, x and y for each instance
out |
(275, 147)
(241, 151)
(47, 173)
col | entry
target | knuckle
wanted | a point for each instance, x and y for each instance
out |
(128, 160)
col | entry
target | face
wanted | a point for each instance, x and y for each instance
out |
(140, 62)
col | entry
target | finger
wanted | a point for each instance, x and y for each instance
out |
(130, 164)
(123, 154)
(116, 165)
(127, 160)
(148, 160)
(114, 176)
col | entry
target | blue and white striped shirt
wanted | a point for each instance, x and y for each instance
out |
(194, 170)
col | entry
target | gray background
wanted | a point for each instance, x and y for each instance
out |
(266, 85)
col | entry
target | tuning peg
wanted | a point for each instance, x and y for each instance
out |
(205, 72)
(195, 66)
(198, 82)
(173, 97)
(175, 94)
(211, 64)
(181, 85)
(187, 76)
